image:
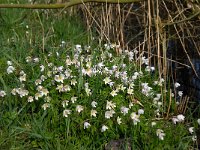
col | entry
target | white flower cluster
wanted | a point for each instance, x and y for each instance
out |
(68, 83)
(178, 118)
(135, 116)
(146, 90)
(10, 68)
(2, 93)
(192, 132)
(160, 133)
(20, 91)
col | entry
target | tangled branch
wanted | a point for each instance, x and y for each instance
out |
(63, 5)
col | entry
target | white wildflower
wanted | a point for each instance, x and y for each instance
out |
(180, 117)
(22, 92)
(30, 99)
(43, 77)
(79, 108)
(136, 74)
(140, 111)
(47, 99)
(191, 130)
(2, 93)
(111, 84)
(135, 118)
(62, 44)
(86, 125)
(44, 91)
(119, 120)
(180, 93)
(104, 128)
(124, 110)
(38, 81)
(66, 112)
(38, 95)
(73, 82)
(67, 73)
(65, 103)
(100, 65)
(130, 105)
(110, 105)
(145, 60)
(66, 88)
(59, 78)
(131, 85)
(14, 91)
(86, 85)
(155, 82)
(123, 66)
(42, 68)
(60, 88)
(157, 112)
(68, 62)
(39, 88)
(130, 91)
(36, 60)
(88, 91)
(114, 67)
(93, 113)
(146, 89)
(9, 63)
(122, 88)
(10, 69)
(113, 93)
(45, 106)
(160, 133)
(109, 114)
(152, 68)
(175, 120)
(60, 68)
(78, 47)
(194, 138)
(107, 80)
(94, 104)
(176, 85)
(73, 99)
(107, 46)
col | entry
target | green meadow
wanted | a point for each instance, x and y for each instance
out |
(61, 88)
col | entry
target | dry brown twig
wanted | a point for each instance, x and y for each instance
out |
(64, 5)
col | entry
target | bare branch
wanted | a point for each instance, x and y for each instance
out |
(63, 5)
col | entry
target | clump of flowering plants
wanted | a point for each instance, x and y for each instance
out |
(94, 93)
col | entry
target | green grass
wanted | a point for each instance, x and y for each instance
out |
(25, 125)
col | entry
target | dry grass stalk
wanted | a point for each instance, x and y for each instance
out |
(183, 105)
